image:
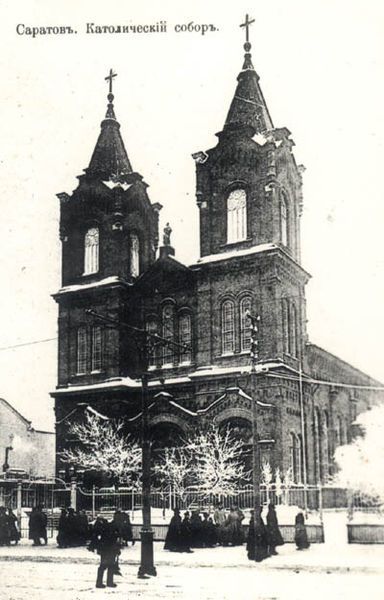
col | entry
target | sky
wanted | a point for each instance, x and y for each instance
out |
(321, 72)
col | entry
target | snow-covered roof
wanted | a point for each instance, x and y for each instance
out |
(235, 253)
(113, 280)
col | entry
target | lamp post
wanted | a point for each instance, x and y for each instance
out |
(147, 342)
(255, 446)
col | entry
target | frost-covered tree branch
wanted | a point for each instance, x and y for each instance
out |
(102, 446)
(216, 461)
(174, 470)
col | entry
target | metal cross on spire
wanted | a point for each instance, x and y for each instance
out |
(246, 24)
(110, 79)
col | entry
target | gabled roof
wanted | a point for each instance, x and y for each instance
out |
(165, 272)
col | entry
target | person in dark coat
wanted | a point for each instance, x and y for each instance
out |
(301, 538)
(4, 527)
(174, 539)
(274, 535)
(257, 540)
(197, 532)
(105, 541)
(82, 528)
(62, 534)
(14, 534)
(233, 533)
(219, 517)
(209, 531)
(186, 532)
(37, 526)
(44, 522)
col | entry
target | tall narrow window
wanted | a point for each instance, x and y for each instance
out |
(228, 327)
(317, 442)
(236, 216)
(283, 220)
(168, 334)
(91, 251)
(134, 248)
(81, 360)
(292, 456)
(326, 447)
(299, 460)
(152, 329)
(185, 338)
(245, 324)
(96, 357)
(293, 330)
(285, 323)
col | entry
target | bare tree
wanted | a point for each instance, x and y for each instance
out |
(174, 470)
(102, 446)
(216, 461)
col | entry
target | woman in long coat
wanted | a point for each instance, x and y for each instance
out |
(174, 539)
(274, 536)
(257, 540)
(301, 538)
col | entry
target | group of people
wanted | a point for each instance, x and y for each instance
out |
(196, 531)
(74, 529)
(9, 531)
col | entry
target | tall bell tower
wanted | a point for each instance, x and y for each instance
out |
(249, 194)
(109, 234)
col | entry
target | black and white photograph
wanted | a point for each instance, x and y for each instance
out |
(191, 306)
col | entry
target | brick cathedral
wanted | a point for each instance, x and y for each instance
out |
(249, 196)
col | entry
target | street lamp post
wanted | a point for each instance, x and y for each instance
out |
(255, 446)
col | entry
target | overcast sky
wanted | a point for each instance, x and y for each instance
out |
(321, 71)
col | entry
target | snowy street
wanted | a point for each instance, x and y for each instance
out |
(332, 570)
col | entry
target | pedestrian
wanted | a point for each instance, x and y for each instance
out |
(174, 539)
(62, 527)
(126, 529)
(37, 526)
(257, 540)
(82, 528)
(197, 532)
(105, 541)
(233, 533)
(273, 532)
(301, 538)
(4, 527)
(186, 532)
(14, 534)
(72, 528)
(209, 532)
(219, 518)
(44, 523)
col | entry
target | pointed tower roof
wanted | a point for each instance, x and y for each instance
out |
(248, 107)
(109, 157)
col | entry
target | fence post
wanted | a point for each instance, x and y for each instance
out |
(350, 505)
(133, 503)
(73, 494)
(18, 503)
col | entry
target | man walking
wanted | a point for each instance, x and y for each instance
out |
(105, 541)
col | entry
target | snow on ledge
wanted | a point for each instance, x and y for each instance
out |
(235, 253)
(90, 285)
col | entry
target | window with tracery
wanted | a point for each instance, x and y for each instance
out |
(134, 244)
(245, 324)
(96, 356)
(91, 251)
(236, 216)
(81, 359)
(152, 329)
(228, 327)
(185, 338)
(168, 334)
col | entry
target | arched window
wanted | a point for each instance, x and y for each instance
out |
(236, 216)
(245, 324)
(81, 359)
(185, 337)
(152, 328)
(293, 330)
(299, 460)
(292, 455)
(284, 221)
(134, 251)
(228, 327)
(168, 334)
(91, 251)
(96, 356)
(285, 319)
